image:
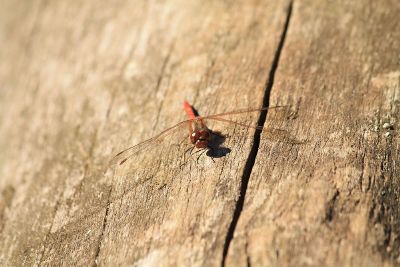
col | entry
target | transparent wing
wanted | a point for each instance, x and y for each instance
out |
(242, 118)
(169, 133)
(244, 111)
(274, 134)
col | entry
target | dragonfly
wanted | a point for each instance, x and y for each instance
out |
(200, 136)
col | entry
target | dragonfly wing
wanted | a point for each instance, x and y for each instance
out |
(270, 133)
(241, 124)
(160, 139)
(242, 118)
(245, 111)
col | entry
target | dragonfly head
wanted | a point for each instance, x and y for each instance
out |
(200, 138)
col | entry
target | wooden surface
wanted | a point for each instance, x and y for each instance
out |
(80, 80)
(335, 201)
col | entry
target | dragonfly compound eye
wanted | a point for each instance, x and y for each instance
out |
(194, 136)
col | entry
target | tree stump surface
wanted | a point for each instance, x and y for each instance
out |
(82, 80)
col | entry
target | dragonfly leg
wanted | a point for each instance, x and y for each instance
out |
(202, 152)
(184, 154)
(197, 151)
(212, 158)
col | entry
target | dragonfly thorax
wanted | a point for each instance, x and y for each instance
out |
(200, 138)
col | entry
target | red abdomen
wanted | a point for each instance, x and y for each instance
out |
(189, 110)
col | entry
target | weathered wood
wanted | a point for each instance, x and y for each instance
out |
(334, 201)
(83, 79)
(100, 76)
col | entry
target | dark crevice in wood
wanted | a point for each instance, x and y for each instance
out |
(6, 197)
(330, 210)
(103, 229)
(254, 149)
(248, 262)
(164, 66)
(387, 198)
(40, 261)
(54, 213)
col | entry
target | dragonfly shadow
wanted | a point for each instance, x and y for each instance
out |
(214, 145)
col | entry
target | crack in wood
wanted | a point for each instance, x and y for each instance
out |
(330, 209)
(246, 249)
(40, 261)
(257, 134)
(103, 228)
(111, 186)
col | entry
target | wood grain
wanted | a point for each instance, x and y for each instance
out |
(81, 80)
(335, 200)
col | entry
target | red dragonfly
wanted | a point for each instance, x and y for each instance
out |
(199, 134)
